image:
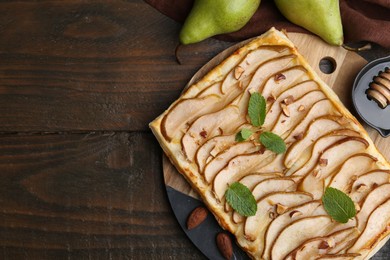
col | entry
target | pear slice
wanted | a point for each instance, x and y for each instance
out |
(283, 220)
(238, 167)
(377, 228)
(266, 187)
(269, 68)
(266, 210)
(296, 92)
(291, 115)
(250, 63)
(319, 146)
(320, 246)
(221, 160)
(367, 182)
(185, 112)
(328, 161)
(276, 165)
(216, 144)
(349, 256)
(298, 232)
(353, 166)
(321, 108)
(373, 200)
(251, 180)
(316, 129)
(208, 126)
(284, 79)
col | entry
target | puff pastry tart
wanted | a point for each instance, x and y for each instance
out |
(325, 147)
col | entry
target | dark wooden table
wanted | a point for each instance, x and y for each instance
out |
(81, 174)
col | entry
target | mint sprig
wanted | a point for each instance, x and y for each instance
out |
(338, 205)
(243, 135)
(256, 109)
(241, 199)
(273, 142)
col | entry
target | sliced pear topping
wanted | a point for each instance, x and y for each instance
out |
(185, 112)
(238, 167)
(255, 225)
(221, 160)
(319, 146)
(285, 219)
(225, 120)
(286, 122)
(212, 147)
(321, 246)
(250, 63)
(297, 91)
(292, 76)
(374, 199)
(316, 129)
(299, 231)
(353, 166)
(367, 182)
(269, 68)
(321, 108)
(376, 229)
(266, 187)
(334, 156)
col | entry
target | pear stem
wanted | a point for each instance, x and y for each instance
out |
(363, 48)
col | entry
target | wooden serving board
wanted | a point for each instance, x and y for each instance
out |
(347, 64)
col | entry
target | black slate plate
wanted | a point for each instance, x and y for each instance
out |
(204, 235)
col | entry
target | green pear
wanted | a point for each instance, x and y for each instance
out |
(321, 17)
(211, 17)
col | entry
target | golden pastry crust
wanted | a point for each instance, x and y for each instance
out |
(197, 134)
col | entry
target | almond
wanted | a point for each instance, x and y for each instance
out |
(280, 209)
(278, 77)
(298, 136)
(288, 100)
(197, 216)
(301, 108)
(285, 110)
(224, 244)
(238, 72)
(295, 213)
(323, 162)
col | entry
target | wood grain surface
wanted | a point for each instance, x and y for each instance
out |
(80, 173)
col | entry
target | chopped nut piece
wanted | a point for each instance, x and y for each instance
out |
(283, 121)
(357, 206)
(323, 162)
(301, 108)
(362, 187)
(271, 99)
(279, 77)
(298, 136)
(238, 72)
(295, 213)
(288, 100)
(272, 215)
(240, 84)
(280, 209)
(323, 245)
(316, 173)
(285, 110)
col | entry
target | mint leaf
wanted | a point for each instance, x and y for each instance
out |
(256, 109)
(273, 142)
(241, 199)
(338, 205)
(243, 135)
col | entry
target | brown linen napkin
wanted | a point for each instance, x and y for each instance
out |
(363, 20)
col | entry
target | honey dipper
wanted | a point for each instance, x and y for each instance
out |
(379, 90)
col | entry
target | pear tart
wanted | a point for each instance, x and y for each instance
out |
(325, 147)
